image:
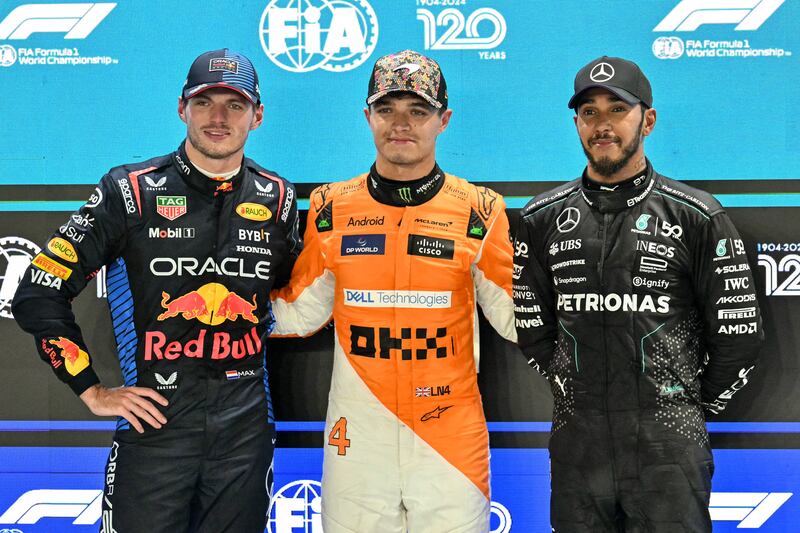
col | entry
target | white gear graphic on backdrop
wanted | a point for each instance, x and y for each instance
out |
(16, 254)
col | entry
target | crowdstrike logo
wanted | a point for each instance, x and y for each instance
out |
(77, 20)
(748, 15)
(302, 36)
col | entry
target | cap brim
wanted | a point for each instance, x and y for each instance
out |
(380, 94)
(623, 95)
(194, 91)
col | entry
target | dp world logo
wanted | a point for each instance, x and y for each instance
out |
(668, 47)
(296, 507)
(306, 35)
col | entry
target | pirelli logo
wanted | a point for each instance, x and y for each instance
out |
(54, 268)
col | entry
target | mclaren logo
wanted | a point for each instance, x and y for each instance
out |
(410, 68)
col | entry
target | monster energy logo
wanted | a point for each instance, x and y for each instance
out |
(405, 194)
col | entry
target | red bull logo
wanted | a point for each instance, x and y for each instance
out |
(223, 345)
(74, 358)
(211, 304)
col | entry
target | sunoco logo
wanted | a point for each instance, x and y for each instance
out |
(301, 36)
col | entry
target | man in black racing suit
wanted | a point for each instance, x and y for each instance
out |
(193, 242)
(634, 297)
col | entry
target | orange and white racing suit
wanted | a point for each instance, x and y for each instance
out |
(406, 441)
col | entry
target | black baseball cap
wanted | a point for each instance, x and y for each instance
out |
(222, 68)
(622, 77)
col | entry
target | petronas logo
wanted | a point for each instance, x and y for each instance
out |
(405, 194)
(641, 223)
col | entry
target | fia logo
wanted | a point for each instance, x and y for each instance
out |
(318, 34)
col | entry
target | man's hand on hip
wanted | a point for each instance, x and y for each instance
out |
(131, 403)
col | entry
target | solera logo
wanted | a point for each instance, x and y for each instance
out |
(748, 15)
(76, 20)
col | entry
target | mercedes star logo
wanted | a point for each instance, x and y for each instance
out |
(568, 220)
(601, 73)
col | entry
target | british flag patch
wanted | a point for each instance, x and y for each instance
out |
(422, 392)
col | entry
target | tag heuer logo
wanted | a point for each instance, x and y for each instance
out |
(171, 207)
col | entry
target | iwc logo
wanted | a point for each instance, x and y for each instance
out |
(306, 35)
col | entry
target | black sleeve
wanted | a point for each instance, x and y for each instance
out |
(534, 297)
(294, 242)
(88, 239)
(726, 296)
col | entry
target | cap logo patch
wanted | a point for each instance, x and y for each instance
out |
(411, 68)
(601, 73)
(223, 64)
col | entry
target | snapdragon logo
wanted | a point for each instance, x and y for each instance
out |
(306, 35)
(404, 299)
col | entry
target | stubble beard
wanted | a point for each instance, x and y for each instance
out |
(211, 151)
(607, 167)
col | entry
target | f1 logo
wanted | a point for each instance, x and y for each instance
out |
(84, 505)
(748, 15)
(76, 20)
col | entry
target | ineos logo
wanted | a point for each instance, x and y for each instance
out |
(568, 220)
(601, 72)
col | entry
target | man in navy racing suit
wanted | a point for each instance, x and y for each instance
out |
(633, 295)
(193, 241)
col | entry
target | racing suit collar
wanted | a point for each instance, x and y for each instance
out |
(623, 197)
(199, 181)
(405, 193)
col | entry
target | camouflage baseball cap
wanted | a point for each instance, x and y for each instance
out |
(408, 71)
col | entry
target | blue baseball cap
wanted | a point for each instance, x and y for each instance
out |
(222, 68)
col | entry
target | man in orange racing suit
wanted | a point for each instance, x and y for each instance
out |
(400, 257)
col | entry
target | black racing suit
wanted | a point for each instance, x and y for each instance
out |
(639, 306)
(190, 264)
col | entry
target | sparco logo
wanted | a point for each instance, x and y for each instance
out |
(748, 15)
(77, 20)
(287, 204)
(613, 302)
(301, 36)
(127, 196)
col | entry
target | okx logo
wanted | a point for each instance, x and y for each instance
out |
(746, 14)
(76, 20)
(306, 35)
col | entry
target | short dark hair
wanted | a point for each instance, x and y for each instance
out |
(400, 95)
